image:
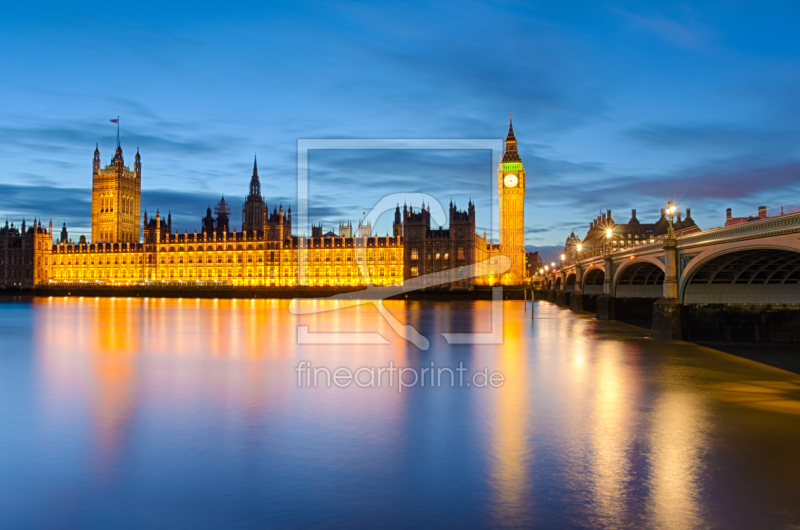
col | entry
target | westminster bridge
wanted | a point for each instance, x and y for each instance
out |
(736, 283)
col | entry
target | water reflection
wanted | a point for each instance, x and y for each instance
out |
(512, 505)
(188, 411)
(677, 437)
(612, 434)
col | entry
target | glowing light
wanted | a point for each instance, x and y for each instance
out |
(579, 247)
(562, 257)
(608, 233)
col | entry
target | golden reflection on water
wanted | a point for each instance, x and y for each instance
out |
(512, 459)
(774, 396)
(619, 427)
(612, 434)
(677, 438)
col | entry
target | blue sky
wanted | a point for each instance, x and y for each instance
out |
(616, 105)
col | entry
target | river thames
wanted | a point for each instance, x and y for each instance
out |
(159, 413)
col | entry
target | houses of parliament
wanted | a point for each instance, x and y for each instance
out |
(129, 248)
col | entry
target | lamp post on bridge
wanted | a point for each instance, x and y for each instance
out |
(576, 298)
(671, 211)
(668, 311)
(608, 282)
(670, 258)
(606, 304)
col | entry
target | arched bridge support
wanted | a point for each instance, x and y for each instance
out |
(668, 314)
(562, 296)
(606, 304)
(576, 297)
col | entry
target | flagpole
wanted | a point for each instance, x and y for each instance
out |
(117, 131)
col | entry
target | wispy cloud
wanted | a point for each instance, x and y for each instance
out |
(688, 32)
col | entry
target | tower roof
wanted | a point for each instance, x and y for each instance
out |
(255, 185)
(510, 136)
(511, 154)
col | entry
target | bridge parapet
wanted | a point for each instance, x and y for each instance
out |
(758, 228)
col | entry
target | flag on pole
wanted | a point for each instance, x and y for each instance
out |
(116, 120)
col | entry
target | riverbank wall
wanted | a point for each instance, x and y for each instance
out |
(133, 291)
(690, 322)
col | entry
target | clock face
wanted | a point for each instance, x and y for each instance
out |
(510, 180)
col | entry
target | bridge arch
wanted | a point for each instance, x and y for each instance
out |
(593, 279)
(570, 282)
(639, 279)
(743, 275)
(557, 284)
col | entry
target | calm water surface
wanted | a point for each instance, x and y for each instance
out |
(120, 413)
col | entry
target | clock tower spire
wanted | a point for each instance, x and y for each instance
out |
(511, 191)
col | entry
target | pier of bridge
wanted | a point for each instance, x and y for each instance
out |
(739, 282)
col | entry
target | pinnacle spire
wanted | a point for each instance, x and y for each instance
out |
(510, 136)
(255, 185)
(511, 154)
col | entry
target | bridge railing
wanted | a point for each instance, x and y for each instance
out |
(789, 220)
(783, 217)
(639, 245)
(776, 211)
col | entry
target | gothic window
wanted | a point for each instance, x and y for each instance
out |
(460, 252)
(414, 255)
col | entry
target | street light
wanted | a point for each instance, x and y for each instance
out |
(670, 211)
(562, 257)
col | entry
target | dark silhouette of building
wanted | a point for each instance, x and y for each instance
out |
(25, 254)
(254, 207)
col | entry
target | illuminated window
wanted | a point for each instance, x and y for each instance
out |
(414, 255)
(460, 252)
(414, 271)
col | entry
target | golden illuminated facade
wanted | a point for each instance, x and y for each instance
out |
(116, 199)
(266, 253)
(241, 259)
(511, 189)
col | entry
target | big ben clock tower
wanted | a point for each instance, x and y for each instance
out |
(511, 190)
